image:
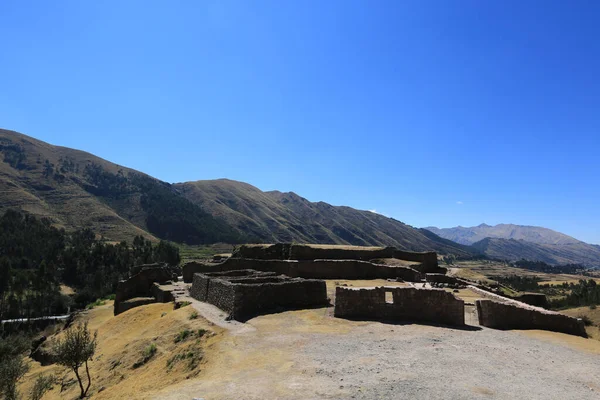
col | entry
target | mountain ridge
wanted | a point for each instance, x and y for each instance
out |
(515, 242)
(533, 234)
(77, 189)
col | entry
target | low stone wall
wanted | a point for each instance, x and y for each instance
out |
(407, 304)
(288, 251)
(132, 303)
(430, 269)
(162, 293)
(307, 252)
(440, 278)
(533, 299)
(140, 284)
(427, 257)
(295, 293)
(248, 295)
(515, 315)
(317, 269)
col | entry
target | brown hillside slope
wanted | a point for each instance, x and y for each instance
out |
(60, 195)
(77, 190)
(514, 250)
(286, 217)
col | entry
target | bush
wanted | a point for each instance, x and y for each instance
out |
(202, 332)
(181, 336)
(42, 384)
(593, 307)
(586, 320)
(194, 315)
(147, 354)
(193, 357)
(12, 364)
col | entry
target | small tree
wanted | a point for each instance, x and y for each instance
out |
(75, 350)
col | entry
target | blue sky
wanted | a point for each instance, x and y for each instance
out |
(433, 112)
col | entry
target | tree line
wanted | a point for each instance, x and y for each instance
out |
(36, 258)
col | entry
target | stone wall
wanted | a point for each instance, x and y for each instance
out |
(132, 303)
(405, 304)
(288, 251)
(295, 293)
(440, 278)
(312, 269)
(533, 299)
(515, 315)
(140, 285)
(162, 293)
(248, 295)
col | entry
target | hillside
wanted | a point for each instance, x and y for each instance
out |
(76, 190)
(532, 234)
(516, 242)
(79, 190)
(514, 250)
(285, 217)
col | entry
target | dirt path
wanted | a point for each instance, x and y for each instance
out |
(309, 354)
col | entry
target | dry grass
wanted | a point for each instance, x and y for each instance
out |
(485, 271)
(122, 341)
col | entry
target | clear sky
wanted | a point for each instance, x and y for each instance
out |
(433, 112)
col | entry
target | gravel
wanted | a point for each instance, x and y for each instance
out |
(310, 354)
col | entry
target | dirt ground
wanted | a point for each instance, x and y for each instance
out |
(309, 354)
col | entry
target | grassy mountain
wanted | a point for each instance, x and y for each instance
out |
(77, 189)
(532, 234)
(553, 254)
(275, 216)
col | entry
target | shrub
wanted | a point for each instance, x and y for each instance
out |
(194, 315)
(593, 307)
(202, 332)
(193, 357)
(147, 354)
(98, 302)
(42, 384)
(182, 335)
(586, 320)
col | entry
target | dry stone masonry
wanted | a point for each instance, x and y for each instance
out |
(141, 289)
(515, 315)
(310, 269)
(400, 303)
(246, 293)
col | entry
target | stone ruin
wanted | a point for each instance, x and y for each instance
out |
(503, 313)
(244, 294)
(150, 283)
(400, 304)
(259, 279)
(324, 262)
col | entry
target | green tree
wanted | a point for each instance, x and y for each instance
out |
(12, 365)
(75, 350)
